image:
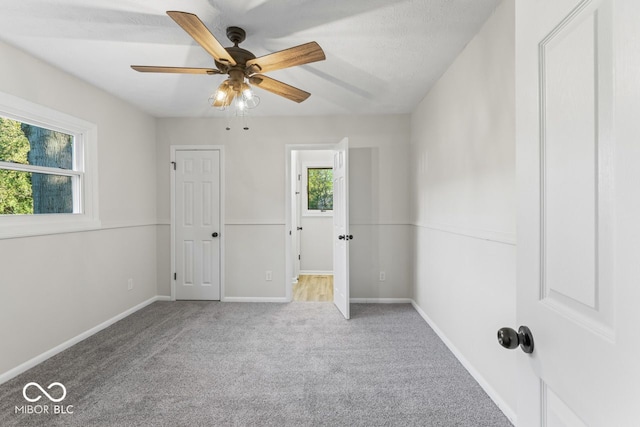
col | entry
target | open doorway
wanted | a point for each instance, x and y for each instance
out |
(338, 236)
(312, 224)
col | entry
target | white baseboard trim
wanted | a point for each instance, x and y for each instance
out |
(12, 373)
(315, 273)
(380, 300)
(163, 298)
(506, 409)
(254, 299)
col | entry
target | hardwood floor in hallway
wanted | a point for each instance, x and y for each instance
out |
(313, 288)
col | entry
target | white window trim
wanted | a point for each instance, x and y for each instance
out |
(305, 192)
(85, 163)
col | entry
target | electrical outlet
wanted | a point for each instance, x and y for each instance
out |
(129, 284)
(267, 276)
(383, 276)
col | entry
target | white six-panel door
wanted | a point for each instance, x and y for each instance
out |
(578, 157)
(197, 225)
(341, 235)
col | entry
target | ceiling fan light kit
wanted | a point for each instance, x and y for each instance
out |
(235, 94)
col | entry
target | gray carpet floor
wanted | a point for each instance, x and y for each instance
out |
(258, 364)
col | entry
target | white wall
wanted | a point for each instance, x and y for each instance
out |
(316, 237)
(255, 197)
(53, 288)
(463, 192)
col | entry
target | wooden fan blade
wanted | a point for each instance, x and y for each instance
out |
(279, 88)
(181, 70)
(200, 33)
(298, 55)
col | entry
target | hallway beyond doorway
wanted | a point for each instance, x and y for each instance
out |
(313, 288)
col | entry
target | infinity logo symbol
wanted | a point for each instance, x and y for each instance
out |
(64, 392)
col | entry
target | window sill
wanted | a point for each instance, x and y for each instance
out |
(317, 214)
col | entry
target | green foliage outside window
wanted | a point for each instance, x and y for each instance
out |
(320, 189)
(29, 191)
(15, 187)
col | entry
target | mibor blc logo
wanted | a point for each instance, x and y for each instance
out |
(39, 387)
(33, 392)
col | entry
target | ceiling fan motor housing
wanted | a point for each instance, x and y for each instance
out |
(240, 55)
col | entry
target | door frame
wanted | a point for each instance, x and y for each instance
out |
(173, 149)
(327, 146)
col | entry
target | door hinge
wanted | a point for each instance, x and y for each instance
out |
(175, 276)
(299, 176)
(174, 165)
(298, 257)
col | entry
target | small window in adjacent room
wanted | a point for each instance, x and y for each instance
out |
(319, 190)
(45, 182)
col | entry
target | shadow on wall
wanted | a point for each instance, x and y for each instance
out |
(364, 250)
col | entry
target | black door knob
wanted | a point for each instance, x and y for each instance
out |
(341, 237)
(215, 234)
(508, 338)
(350, 237)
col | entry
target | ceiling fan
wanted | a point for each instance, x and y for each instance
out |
(241, 65)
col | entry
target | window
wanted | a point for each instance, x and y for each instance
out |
(37, 171)
(45, 184)
(319, 190)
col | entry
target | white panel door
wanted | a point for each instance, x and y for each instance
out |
(197, 225)
(578, 163)
(341, 234)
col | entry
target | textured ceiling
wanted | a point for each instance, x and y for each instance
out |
(382, 55)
